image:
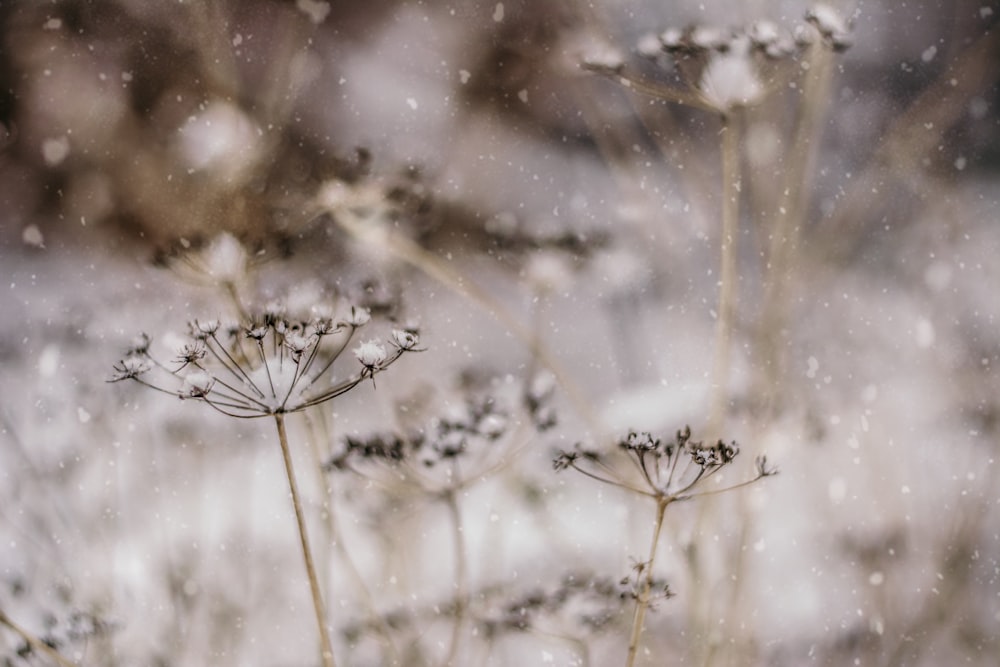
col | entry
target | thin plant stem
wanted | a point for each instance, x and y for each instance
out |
(333, 536)
(727, 273)
(234, 295)
(785, 236)
(35, 643)
(642, 604)
(461, 575)
(326, 651)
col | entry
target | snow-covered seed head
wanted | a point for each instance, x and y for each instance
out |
(640, 442)
(492, 426)
(710, 38)
(605, 58)
(649, 46)
(730, 80)
(404, 340)
(298, 343)
(357, 317)
(140, 344)
(323, 326)
(130, 367)
(225, 259)
(371, 355)
(205, 327)
(831, 25)
(191, 352)
(764, 33)
(197, 384)
(257, 333)
(672, 39)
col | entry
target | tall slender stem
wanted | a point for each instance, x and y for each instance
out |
(786, 233)
(727, 273)
(642, 604)
(326, 649)
(461, 575)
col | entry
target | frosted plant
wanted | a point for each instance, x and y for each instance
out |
(667, 472)
(223, 262)
(730, 79)
(264, 367)
(834, 29)
(443, 457)
(268, 366)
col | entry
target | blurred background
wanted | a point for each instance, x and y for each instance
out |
(455, 168)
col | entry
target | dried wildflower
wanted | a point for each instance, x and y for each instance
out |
(191, 353)
(476, 432)
(668, 472)
(565, 460)
(357, 317)
(222, 261)
(198, 384)
(831, 26)
(130, 368)
(371, 355)
(404, 340)
(267, 367)
(640, 442)
(731, 80)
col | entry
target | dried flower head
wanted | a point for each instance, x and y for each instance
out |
(266, 366)
(731, 80)
(371, 355)
(668, 470)
(222, 261)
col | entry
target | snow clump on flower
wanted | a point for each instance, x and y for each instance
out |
(370, 354)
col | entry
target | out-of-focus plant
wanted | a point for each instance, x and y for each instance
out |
(666, 472)
(443, 458)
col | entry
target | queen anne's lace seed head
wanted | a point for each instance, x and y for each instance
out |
(404, 340)
(298, 343)
(225, 258)
(191, 352)
(357, 317)
(198, 384)
(266, 367)
(370, 354)
(671, 471)
(730, 80)
(207, 327)
(130, 368)
(140, 345)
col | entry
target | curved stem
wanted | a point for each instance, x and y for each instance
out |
(317, 432)
(727, 271)
(35, 643)
(321, 620)
(643, 602)
(461, 574)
